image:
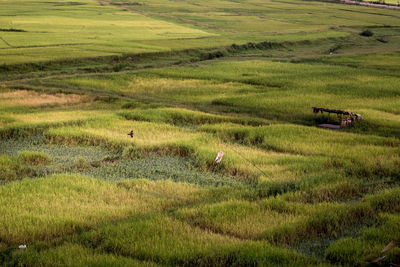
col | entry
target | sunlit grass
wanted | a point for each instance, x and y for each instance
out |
(359, 154)
(188, 90)
(288, 223)
(79, 191)
(242, 219)
(73, 255)
(51, 117)
(368, 245)
(160, 138)
(34, 99)
(170, 241)
(63, 204)
(113, 132)
(388, 61)
(185, 117)
(275, 91)
(86, 29)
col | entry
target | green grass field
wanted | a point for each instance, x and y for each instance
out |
(191, 79)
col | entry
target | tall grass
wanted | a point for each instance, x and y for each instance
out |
(185, 117)
(159, 198)
(33, 99)
(172, 242)
(72, 255)
(89, 30)
(366, 247)
(64, 204)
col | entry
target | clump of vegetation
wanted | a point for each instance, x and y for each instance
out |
(34, 158)
(10, 170)
(176, 246)
(368, 246)
(366, 33)
(81, 164)
(26, 164)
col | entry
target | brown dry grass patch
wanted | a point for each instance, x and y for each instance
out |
(35, 99)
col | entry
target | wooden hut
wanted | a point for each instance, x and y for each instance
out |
(346, 117)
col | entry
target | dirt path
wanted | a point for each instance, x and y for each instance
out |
(361, 3)
(1, 38)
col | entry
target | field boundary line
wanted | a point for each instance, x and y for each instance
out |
(1, 38)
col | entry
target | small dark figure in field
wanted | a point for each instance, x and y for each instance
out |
(131, 134)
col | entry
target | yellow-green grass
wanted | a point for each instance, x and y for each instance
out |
(259, 19)
(327, 184)
(286, 91)
(88, 29)
(359, 154)
(369, 244)
(285, 152)
(388, 61)
(275, 91)
(34, 99)
(306, 78)
(182, 90)
(175, 193)
(255, 163)
(71, 254)
(169, 241)
(161, 138)
(46, 208)
(282, 222)
(340, 190)
(283, 91)
(238, 218)
(301, 139)
(113, 131)
(83, 29)
(180, 116)
(14, 125)
(228, 39)
(34, 158)
(15, 168)
(29, 109)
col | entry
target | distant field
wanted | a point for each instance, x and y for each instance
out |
(36, 31)
(191, 79)
(280, 91)
(41, 31)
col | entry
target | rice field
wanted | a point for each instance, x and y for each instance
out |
(112, 114)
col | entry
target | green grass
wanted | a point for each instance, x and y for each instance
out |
(275, 91)
(192, 79)
(95, 30)
(86, 29)
(72, 255)
(64, 204)
(185, 117)
(368, 245)
(27, 163)
(172, 242)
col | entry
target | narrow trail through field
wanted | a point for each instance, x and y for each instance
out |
(1, 38)
(368, 4)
